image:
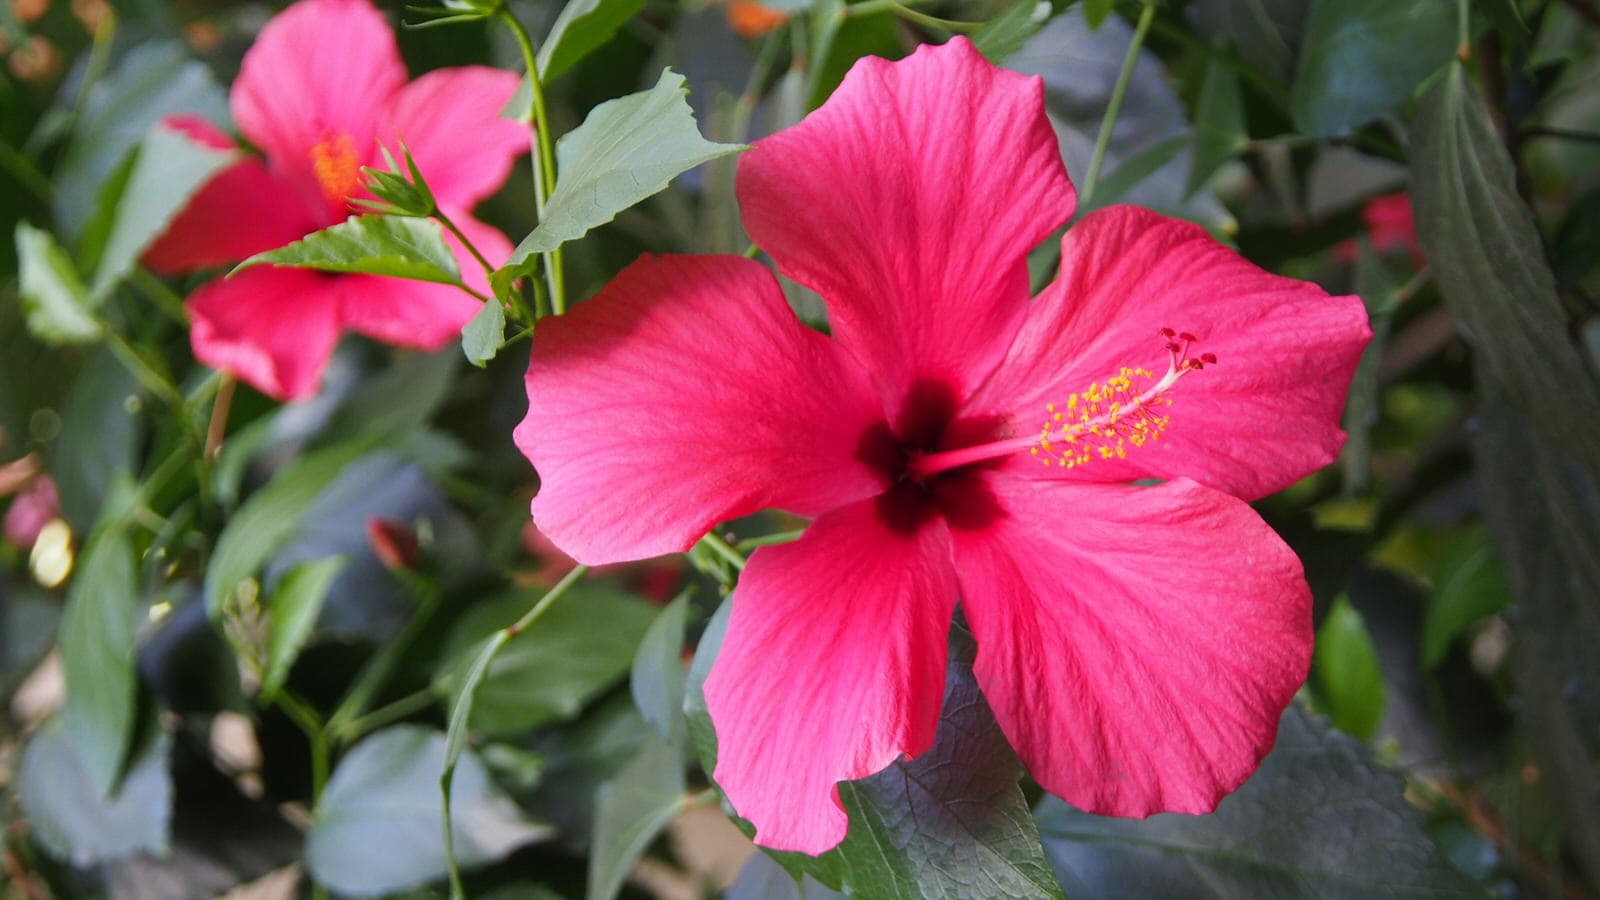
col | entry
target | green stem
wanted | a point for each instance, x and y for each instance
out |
(162, 297)
(544, 179)
(24, 171)
(309, 722)
(767, 540)
(550, 596)
(387, 714)
(721, 548)
(465, 242)
(1114, 108)
(377, 672)
(927, 21)
(1463, 29)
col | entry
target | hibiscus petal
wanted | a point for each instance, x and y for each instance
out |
(1264, 416)
(320, 68)
(909, 202)
(450, 121)
(1137, 644)
(272, 327)
(684, 394)
(833, 668)
(418, 313)
(243, 210)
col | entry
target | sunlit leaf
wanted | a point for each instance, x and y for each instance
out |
(582, 27)
(97, 653)
(483, 335)
(1347, 674)
(397, 246)
(53, 296)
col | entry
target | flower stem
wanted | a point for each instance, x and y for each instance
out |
(721, 548)
(451, 227)
(218, 425)
(544, 176)
(1114, 108)
(377, 672)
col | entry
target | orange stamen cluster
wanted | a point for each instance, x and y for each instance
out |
(336, 166)
(1105, 419)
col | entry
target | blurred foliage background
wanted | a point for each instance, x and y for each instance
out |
(1440, 159)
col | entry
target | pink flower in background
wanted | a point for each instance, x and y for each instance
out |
(319, 92)
(31, 510)
(1074, 469)
(1391, 227)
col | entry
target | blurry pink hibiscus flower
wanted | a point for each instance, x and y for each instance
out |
(1391, 227)
(30, 511)
(956, 441)
(319, 93)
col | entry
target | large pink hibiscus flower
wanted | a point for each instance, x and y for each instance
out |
(1073, 470)
(319, 92)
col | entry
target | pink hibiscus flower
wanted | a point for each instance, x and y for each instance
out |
(955, 441)
(320, 91)
(1391, 227)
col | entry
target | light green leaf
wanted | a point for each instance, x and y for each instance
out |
(97, 655)
(292, 613)
(626, 150)
(70, 816)
(270, 516)
(169, 169)
(1347, 674)
(397, 246)
(631, 810)
(1219, 125)
(1005, 34)
(377, 829)
(1468, 586)
(657, 678)
(537, 678)
(57, 305)
(582, 27)
(1362, 58)
(484, 334)
(1488, 260)
(1095, 12)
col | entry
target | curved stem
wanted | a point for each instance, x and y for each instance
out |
(544, 180)
(1114, 108)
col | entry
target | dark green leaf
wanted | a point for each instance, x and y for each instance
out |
(482, 337)
(631, 810)
(29, 620)
(270, 516)
(169, 169)
(1317, 820)
(1486, 255)
(1219, 126)
(1347, 674)
(1096, 11)
(950, 823)
(1468, 586)
(292, 613)
(99, 438)
(1362, 58)
(377, 828)
(53, 296)
(1266, 33)
(153, 81)
(1005, 34)
(1135, 170)
(657, 678)
(626, 150)
(537, 677)
(397, 246)
(1380, 294)
(393, 404)
(73, 819)
(582, 27)
(97, 656)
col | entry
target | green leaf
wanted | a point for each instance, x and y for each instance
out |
(1135, 169)
(1468, 586)
(537, 678)
(1487, 258)
(73, 819)
(97, 655)
(582, 27)
(1219, 126)
(1380, 294)
(1347, 673)
(292, 613)
(396, 246)
(630, 811)
(270, 516)
(393, 404)
(99, 439)
(1266, 33)
(53, 296)
(1096, 11)
(1362, 58)
(1317, 820)
(658, 678)
(626, 150)
(1005, 34)
(950, 823)
(29, 620)
(169, 169)
(482, 337)
(377, 829)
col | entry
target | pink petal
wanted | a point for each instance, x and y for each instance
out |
(243, 210)
(272, 327)
(684, 394)
(1264, 416)
(1137, 644)
(833, 668)
(909, 201)
(318, 70)
(417, 313)
(450, 121)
